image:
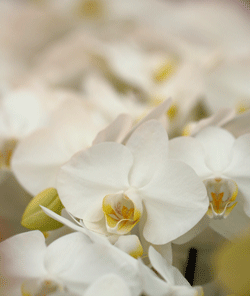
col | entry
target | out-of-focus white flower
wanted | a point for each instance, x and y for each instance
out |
(222, 162)
(239, 125)
(122, 127)
(26, 29)
(214, 36)
(66, 61)
(227, 85)
(172, 283)
(220, 119)
(73, 263)
(38, 27)
(22, 112)
(112, 187)
(72, 128)
(102, 94)
(227, 118)
(223, 26)
(100, 12)
(158, 73)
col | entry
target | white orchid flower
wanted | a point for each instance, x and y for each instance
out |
(222, 163)
(101, 13)
(66, 61)
(223, 56)
(17, 120)
(206, 25)
(158, 74)
(40, 26)
(112, 187)
(73, 263)
(227, 85)
(23, 111)
(100, 92)
(171, 283)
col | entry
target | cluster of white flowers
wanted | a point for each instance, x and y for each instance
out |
(124, 144)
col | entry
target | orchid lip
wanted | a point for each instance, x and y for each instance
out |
(90, 9)
(164, 71)
(120, 213)
(222, 194)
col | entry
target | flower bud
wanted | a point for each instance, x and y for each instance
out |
(34, 218)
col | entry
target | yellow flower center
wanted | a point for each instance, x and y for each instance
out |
(36, 287)
(6, 153)
(172, 111)
(90, 9)
(242, 107)
(221, 193)
(164, 71)
(120, 213)
(186, 132)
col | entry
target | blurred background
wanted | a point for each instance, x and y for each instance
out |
(116, 56)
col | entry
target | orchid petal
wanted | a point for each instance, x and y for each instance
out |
(130, 244)
(92, 174)
(116, 131)
(62, 220)
(238, 170)
(91, 261)
(18, 120)
(175, 200)
(217, 144)
(156, 113)
(104, 96)
(94, 236)
(22, 255)
(149, 146)
(153, 285)
(60, 253)
(38, 157)
(193, 232)
(190, 151)
(170, 273)
(161, 265)
(107, 285)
